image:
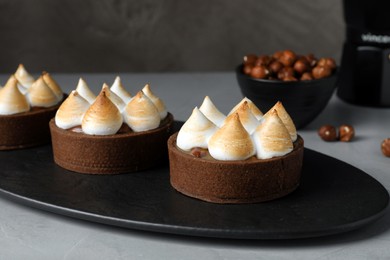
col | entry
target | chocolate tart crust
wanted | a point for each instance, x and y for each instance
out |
(247, 181)
(26, 129)
(111, 154)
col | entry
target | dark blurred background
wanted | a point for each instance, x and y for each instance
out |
(159, 36)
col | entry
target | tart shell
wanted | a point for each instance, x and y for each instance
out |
(110, 154)
(247, 181)
(26, 129)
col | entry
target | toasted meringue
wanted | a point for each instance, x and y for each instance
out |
(71, 111)
(254, 109)
(196, 131)
(141, 114)
(211, 112)
(248, 120)
(41, 95)
(271, 137)
(286, 119)
(120, 91)
(114, 97)
(156, 101)
(24, 78)
(231, 142)
(12, 101)
(85, 91)
(53, 85)
(102, 117)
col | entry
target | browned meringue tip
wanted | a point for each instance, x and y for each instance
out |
(49, 80)
(11, 81)
(21, 66)
(286, 119)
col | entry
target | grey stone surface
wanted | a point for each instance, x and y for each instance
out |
(167, 35)
(27, 233)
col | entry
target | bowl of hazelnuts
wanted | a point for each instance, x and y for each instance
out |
(303, 83)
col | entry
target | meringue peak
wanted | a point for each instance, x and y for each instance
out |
(231, 141)
(102, 117)
(248, 120)
(24, 78)
(211, 112)
(83, 89)
(12, 101)
(53, 85)
(71, 111)
(286, 119)
(156, 101)
(196, 131)
(254, 109)
(141, 114)
(118, 88)
(41, 95)
(22, 75)
(113, 97)
(271, 137)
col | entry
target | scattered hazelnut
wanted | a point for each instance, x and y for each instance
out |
(259, 72)
(346, 133)
(320, 72)
(327, 133)
(385, 146)
(250, 59)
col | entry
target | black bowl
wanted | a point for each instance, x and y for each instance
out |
(303, 100)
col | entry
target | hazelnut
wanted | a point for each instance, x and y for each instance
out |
(320, 72)
(301, 66)
(306, 76)
(249, 59)
(311, 59)
(385, 146)
(327, 62)
(259, 72)
(327, 133)
(198, 152)
(288, 58)
(277, 55)
(290, 78)
(247, 69)
(275, 67)
(262, 60)
(285, 72)
(346, 133)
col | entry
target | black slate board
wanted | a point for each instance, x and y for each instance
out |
(333, 197)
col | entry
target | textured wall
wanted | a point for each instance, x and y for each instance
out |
(165, 35)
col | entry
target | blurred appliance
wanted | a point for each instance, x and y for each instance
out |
(364, 77)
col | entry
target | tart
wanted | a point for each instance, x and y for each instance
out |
(115, 133)
(250, 158)
(26, 107)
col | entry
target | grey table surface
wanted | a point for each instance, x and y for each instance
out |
(28, 233)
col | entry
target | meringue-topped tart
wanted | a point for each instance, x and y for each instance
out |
(26, 107)
(247, 159)
(110, 133)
